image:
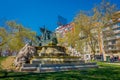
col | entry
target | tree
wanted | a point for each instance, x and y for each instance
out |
(90, 25)
(3, 36)
(86, 32)
(16, 37)
(103, 15)
(19, 35)
(70, 38)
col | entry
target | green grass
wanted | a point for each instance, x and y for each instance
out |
(2, 58)
(105, 72)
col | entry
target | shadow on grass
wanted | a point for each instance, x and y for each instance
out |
(106, 72)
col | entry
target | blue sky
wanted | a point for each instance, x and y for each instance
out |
(36, 13)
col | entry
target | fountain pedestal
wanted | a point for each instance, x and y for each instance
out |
(55, 58)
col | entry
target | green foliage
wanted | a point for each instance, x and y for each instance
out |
(16, 36)
(89, 25)
(85, 29)
(3, 36)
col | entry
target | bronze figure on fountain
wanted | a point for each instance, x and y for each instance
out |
(47, 38)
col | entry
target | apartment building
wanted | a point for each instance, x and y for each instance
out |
(111, 38)
(108, 45)
(63, 29)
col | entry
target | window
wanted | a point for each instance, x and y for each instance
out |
(114, 41)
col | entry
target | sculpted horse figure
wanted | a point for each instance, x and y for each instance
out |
(24, 55)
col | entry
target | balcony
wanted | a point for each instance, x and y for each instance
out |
(110, 43)
(116, 31)
(115, 26)
(105, 29)
(112, 49)
(117, 37)
(112, 38)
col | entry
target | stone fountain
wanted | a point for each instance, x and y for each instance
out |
(47, 56)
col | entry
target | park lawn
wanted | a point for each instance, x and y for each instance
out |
(2, 58)
(105, 72)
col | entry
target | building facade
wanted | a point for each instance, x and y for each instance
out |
(112, 41)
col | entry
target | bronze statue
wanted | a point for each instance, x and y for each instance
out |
(47, 37)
